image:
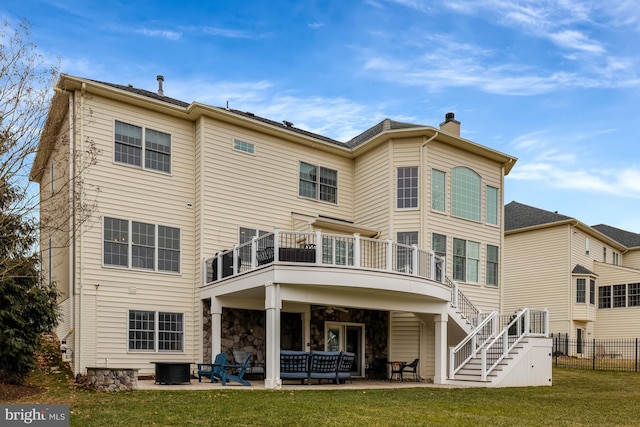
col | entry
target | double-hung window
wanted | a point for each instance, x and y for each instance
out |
(140, 245)
(619, 296)
(438, 193)
(492, 266)
(318, 183)
(466, 260)
(132, 141)
(604, 296)
(592, 292)
(581, 289)
(156, 331)
(407, 188)
(492, 205)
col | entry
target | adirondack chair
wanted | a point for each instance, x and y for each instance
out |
(221, 370)
(213, 370)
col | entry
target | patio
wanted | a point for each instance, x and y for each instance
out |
(358, 384)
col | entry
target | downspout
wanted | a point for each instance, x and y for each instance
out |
(423, 202)
(501, 254)
(81, 284)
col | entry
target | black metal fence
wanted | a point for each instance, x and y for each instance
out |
(596, 354)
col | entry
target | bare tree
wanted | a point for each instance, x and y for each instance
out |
(26, 82)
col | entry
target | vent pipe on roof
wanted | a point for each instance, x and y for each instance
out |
(160, 80)
(450, 124)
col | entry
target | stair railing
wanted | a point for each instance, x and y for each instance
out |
(524, 323)
(469, 346)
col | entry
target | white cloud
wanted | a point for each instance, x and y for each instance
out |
(164, 34)
(576, 40)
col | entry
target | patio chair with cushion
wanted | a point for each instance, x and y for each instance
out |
(344, 367)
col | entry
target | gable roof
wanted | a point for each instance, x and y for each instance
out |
(517, 215)
(627, 238)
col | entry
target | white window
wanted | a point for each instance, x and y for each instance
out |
(581, 289)
(318, 183)
(131, 141)
(465, 193)
(407, 188)
(150, 330)
(244, 146)
(492, 205)
(52, 178)
(466, 260)
(616, 258)
(492, 265)
(586, 246)
(438, 190)
(139, 245)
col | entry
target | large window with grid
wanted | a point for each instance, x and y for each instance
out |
(466, 260)
(619, 296)
(318, 183)
(151, 330)
(465, 193)
(407, 188)
(140, 245)
(132, 141)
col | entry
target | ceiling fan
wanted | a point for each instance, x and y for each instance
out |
(331, 309)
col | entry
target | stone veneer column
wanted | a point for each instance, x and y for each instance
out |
(273, 306)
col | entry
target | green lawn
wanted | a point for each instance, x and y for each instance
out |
(577, 398)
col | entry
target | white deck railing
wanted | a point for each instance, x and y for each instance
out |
(495, 337)
(317, 248)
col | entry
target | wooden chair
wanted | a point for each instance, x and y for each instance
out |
(221, 370)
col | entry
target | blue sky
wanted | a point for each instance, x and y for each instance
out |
(554, 83)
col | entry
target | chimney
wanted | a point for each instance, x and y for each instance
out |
(450, 125)
(160, 80)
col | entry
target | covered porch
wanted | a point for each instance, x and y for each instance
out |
(308, 306)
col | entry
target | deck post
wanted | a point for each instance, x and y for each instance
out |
(440, 376)
(216, 327)
(273, 306)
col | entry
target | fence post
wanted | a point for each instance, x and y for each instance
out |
(636, 354)
(593, 350)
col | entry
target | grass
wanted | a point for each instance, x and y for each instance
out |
(577, 398)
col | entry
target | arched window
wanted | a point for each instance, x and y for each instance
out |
(465, 193)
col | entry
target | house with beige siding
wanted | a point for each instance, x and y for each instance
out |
(588, 277)
(185, 230)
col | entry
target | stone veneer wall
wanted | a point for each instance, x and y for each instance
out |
(376, 327)
(244, 330)
(112, 379)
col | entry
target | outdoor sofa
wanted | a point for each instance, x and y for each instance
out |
(334, 366)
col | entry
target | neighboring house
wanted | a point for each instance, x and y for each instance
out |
(196, 229)
(588, 277)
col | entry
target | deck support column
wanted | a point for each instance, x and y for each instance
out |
(273, 306)
(216, 327)
(440, 376)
